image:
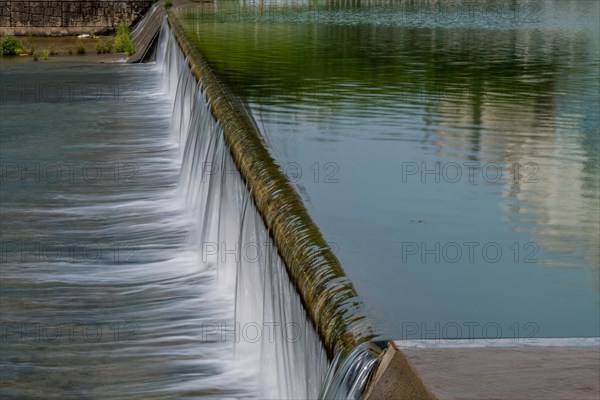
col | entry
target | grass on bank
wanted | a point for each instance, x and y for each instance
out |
(105, 47)
(120, 43)
(80, 49)
(123, 42)
(26, 46)
(11, 46)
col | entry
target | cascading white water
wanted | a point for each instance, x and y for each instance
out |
(348, 376)
(275, 342)
(153, 277)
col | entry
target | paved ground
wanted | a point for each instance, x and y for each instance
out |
(549, 370)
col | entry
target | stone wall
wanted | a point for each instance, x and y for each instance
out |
(67, 17)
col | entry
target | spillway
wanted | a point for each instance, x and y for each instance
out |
(155, 251)
(244, 246)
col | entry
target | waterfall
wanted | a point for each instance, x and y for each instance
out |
(269, 326)
(276, 342)
(348, 376)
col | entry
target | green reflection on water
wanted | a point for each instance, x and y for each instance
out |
(481, 88)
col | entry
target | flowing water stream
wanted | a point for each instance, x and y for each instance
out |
(135, 263)
(130, 270)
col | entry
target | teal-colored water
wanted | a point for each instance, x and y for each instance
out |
(449, 154)
(392, 122)
(120, 276)
(102, 293)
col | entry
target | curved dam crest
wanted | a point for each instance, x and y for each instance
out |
(241, 198)
(328, 294)
(188, 294)
(164, 224)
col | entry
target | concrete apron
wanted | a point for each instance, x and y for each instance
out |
(544, 369)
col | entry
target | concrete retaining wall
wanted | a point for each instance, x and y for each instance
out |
(67, 17)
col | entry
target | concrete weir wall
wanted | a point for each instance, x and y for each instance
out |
(67, 17)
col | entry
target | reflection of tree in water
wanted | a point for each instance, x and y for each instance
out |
(513, 96)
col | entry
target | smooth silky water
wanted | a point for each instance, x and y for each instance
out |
(102, 297)
(122, 273)
(449, 154)
(121, 207)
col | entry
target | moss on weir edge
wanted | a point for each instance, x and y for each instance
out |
(328, 296)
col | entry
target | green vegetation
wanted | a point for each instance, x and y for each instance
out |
(123, 42)
(27, 46)
(81, 48)
(168, 4)
(265, 60)
(11, 46)
(105, 47)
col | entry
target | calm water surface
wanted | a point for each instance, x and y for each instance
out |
(450, 155)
